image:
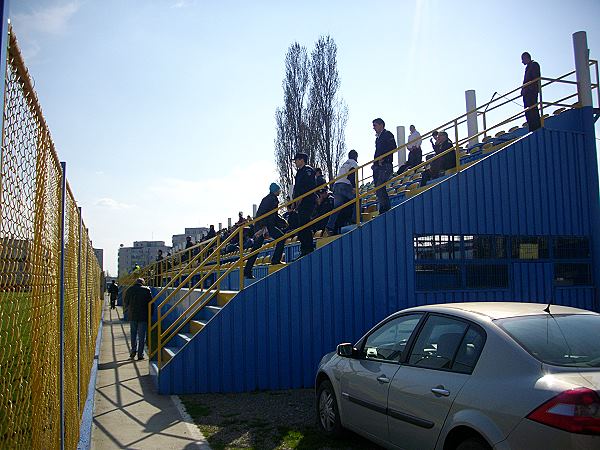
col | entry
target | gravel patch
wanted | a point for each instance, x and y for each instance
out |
(264, 420)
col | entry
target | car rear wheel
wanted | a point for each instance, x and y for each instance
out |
(473, 444)
(328, 417)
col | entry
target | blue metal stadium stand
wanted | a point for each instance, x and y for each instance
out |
(272, 334)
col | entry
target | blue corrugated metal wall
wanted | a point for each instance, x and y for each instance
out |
(273, 334)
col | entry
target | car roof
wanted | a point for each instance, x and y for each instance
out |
(499, 310)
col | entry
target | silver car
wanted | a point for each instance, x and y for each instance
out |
(469, 376)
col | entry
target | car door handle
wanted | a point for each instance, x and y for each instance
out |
(440, 391)
(383, 379)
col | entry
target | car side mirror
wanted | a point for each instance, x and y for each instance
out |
(346, 350)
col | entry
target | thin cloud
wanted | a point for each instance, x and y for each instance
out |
(110, 203)
(46, 20)
(183, 3)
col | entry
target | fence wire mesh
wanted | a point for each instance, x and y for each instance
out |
(30, 254)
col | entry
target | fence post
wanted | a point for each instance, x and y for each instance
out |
(61, 363)
(79, 313)
(4, 5)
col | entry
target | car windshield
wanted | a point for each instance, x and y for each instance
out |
(569, 340)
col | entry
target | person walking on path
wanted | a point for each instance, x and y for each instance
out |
(383, 168)
(136, 302)
(531, 91)
(113, 291)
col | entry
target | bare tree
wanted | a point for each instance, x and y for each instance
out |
(328, 114)
(283, 152)
(292, 129)
(313, 118)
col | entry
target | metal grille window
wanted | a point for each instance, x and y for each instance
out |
(485, 247)
(572, 274)
(438, 247)
(487, 276)
(435, 277)
(530, 247)
(571, 247)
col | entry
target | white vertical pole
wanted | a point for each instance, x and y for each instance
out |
(220, 226)
(400, 141)
(582, 68)
(472, 127)
(229, 222)
(254, 209)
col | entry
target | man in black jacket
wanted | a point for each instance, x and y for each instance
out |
(448, 161)
(530, 92)
(113, 291)
(382, 169)
(273, 223)
(136, 302)
(303, 183)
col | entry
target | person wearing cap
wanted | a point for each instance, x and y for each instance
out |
(303, 183)
(324, 203)
(343, 191)
(382, 168)
(136, 302)
(272, 223)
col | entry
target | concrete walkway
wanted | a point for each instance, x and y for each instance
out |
(128, 413)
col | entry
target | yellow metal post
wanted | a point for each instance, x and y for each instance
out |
(241, 259)
(357, 192)
(456, 147)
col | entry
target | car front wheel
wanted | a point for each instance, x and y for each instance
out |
(328, 416)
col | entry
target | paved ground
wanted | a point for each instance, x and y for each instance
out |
(127, 411)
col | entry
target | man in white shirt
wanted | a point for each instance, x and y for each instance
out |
(343, 189)
(415, 155)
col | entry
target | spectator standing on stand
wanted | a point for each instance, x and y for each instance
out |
(415, 154)
(273, 224)
(303, 183)
(343, 190)
(136, 302)
(530, 92)
(383, 168)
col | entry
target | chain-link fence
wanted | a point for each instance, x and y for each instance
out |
(41, 394)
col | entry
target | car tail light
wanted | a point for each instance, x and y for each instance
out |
(575, 410)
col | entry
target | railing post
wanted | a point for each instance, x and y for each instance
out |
(539, 82)
(357, 191)
(241, 245)
(484, 125)
(456, 151)
(218, 262)
(159, 335)
(61, 363)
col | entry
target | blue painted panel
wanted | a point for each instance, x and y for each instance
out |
(273, 333)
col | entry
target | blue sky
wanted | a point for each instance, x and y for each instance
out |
(164, 109)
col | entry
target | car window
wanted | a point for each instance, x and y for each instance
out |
(469, 350)
(389, 340)
(569, 340)
(438, 342)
